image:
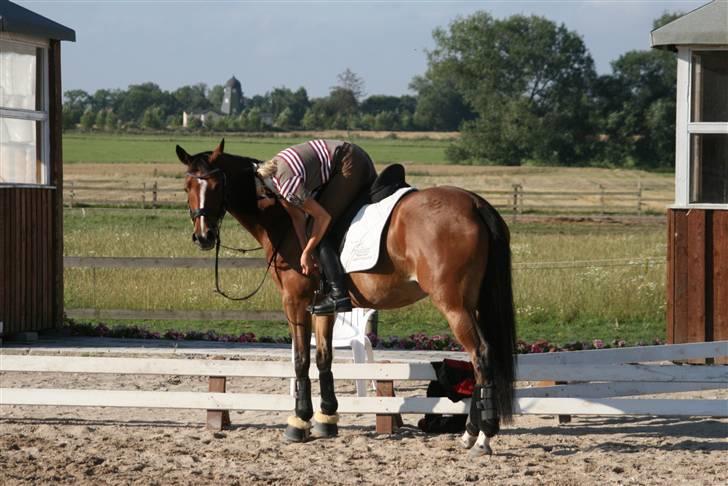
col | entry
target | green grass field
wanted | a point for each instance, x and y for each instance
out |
(560, 305)
(98, 148)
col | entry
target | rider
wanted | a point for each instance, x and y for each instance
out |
(319, 179)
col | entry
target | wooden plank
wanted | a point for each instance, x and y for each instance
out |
(55, 117)
(4, 254)
(386, 405)
(720, 278)
(615, 389)
(177, 315)
(637, 354)
(155, 262)
(670, 282)
(696, 276)
(376, 371)
(680, 288)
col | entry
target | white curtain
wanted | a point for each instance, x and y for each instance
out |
(18, 144)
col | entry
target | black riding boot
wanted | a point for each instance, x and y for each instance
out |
(338, 299)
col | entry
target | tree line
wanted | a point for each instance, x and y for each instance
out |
(521, 90)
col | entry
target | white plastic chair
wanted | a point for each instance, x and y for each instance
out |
(349, 332)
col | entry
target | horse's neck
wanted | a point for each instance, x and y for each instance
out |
(267, 227)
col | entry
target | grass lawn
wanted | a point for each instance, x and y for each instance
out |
(560, 305)
(106, 148)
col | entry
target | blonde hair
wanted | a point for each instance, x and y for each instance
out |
(268, 168)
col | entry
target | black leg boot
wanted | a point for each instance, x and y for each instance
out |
(338, 299)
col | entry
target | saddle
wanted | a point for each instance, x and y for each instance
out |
(387, 183)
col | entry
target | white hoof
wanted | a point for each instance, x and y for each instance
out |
(467, 440)
(482, 447)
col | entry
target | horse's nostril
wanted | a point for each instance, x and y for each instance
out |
(210, 235)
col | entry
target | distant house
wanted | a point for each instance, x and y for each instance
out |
(206, 117)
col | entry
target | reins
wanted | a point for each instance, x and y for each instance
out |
(218, 242)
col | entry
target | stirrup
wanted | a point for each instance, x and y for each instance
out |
(330, 305)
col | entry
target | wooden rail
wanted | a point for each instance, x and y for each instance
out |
(516, 201)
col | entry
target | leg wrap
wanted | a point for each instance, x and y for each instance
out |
(329, 404)
(486, 409)
(304, 407)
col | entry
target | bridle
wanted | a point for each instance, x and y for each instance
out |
(199, 212)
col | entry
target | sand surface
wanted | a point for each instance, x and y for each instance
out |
(39, 445)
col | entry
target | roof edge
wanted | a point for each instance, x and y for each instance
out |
(19, 20)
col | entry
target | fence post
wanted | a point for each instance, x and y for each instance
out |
(601, 199)
(639, 198)
(72, 194)
(154, 194)
(217, 419)
(144, 194)
(515, 201)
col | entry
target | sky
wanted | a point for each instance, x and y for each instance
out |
(306, 43)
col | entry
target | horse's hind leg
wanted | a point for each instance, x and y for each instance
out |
(325, 421)
(463, 324)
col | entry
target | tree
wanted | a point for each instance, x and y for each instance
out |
(100, 120)
(75, 103)
(153, 118)
(215, 96)
(636, 106)
(87, 120)
(439, 105)
(350, 81)
(527, 79)
(193, 98)
(112, 122)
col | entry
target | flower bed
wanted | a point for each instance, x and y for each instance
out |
(415, 341)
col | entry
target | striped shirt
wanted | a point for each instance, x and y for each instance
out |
(302, 169)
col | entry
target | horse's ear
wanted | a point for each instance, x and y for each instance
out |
(218, 151)
(183, 156)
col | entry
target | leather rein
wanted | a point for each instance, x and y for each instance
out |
(196, 213)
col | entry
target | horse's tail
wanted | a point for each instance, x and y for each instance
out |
(496, 315)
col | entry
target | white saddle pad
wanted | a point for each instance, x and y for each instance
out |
(360, 248)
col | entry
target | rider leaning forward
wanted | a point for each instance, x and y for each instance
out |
(319, 179)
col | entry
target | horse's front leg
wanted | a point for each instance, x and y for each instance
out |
(325, 421)
(299, 324)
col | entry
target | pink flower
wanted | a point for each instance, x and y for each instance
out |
(598, 343)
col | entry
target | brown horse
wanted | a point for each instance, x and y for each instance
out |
(444, 242)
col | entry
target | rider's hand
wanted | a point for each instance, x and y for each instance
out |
(308, 263)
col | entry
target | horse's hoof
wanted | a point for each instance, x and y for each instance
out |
(324, 431)
(325, 426)
(298, 430)
(294, 434)
(480, 451)
(467, 441)
(482, 447)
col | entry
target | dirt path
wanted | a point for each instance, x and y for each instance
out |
(124, 446)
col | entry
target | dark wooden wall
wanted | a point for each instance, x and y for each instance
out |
(697, 275)
(27, 284)
(31, 234)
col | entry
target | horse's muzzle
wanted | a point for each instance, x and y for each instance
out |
(206, 241)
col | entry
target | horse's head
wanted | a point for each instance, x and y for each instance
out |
(205, 186)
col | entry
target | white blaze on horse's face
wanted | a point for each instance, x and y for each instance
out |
(203, 189)
(204, 209)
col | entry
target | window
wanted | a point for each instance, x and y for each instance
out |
(708, 127)
(24, 131)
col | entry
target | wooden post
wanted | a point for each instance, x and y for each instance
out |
(387, 423)
(639, 198)
(144, 193)
(562, 419)
(601, 199)
(515, 201)
(154, 195)
(73, 195)
(217, 419)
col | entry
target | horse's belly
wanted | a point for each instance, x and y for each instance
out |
(381, 291)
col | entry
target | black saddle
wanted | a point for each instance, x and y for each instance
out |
(387, 183)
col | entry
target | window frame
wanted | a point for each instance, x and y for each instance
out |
(685, 128)
(42, 116)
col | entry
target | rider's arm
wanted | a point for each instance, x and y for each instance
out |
(321, 222)
(298, 218)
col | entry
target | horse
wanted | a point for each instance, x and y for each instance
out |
(443, 242)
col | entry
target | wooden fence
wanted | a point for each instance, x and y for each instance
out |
(94, 263)
(604, 376)
(516, 200)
